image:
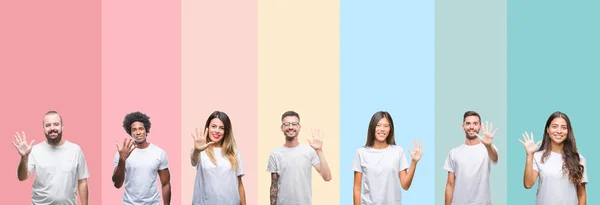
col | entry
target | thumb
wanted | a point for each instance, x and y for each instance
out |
(478, 137)
(117, 146)
(309, 142)
(408, 149)
(32, 141)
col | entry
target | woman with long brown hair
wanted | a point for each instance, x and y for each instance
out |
(560, 168)
(218, 164)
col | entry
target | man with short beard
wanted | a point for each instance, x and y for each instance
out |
(290, 164)
(468, 165)
(59, 165)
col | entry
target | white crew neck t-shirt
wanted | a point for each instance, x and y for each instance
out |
(554, 187)
(217, 184)
(471, 167)
(380, 169)
(57, 173)
(295, 177)
(141, 171)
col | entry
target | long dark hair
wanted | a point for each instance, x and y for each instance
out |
(570, 155)
(373, 124)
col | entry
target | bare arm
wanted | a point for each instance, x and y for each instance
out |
(119, 174)
(274, 188)
(322, 167)
(82, 186)
(492, 153)
(357, 187)
(581, 194)
(195, 157)
(22, 170)
(242, 191)
(165, 180)
(449, 188)
(529, 175)
(406, 177)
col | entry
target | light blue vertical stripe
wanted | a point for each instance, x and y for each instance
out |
(387, 63)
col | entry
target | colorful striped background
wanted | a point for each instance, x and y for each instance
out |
(335, 62)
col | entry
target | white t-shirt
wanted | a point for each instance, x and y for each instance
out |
(380, 169)
(554, 187)
(217, 184)
(141, 170)
(471, 168)
(57, 173)
(295, 177)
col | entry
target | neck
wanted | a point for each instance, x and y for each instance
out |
(380, 145)
(291, 143)
(61, 142)
(144, 145)
(474, 141)
(558, 148)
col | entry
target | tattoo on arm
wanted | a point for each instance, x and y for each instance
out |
(274, 188)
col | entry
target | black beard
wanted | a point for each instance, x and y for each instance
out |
(55, 141)
(471, 137)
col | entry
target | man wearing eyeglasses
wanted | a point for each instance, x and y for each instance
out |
(290, 164)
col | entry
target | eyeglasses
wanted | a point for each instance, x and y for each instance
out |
(288, 124)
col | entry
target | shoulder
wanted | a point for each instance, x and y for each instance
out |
(581, 158)
(396, 148)
(276, 151)
(72, 146)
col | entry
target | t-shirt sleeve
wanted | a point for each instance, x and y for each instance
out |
(82, 169)
(116, 160)
(273, 164)
(584, 179)
(535, 165)
(449, 164)
(356, 166)
(164, 161)
(403, 161)
(240, 169)
(31, 161)
(314, 157)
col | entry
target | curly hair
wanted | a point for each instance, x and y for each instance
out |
(571, 161)
(136, 117)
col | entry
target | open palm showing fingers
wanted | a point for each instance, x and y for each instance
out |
(21, 144)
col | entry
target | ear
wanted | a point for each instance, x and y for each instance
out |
(462, 126)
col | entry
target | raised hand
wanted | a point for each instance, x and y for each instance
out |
(488, 135)
(127, 148)
(529, 143)
(418, 151)
(22, 146)
(200, 141)
(317, 141)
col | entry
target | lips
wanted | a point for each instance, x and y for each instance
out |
(216, 136)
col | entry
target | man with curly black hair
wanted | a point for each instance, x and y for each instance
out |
(136, 160)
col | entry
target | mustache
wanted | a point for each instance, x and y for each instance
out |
(53, 131)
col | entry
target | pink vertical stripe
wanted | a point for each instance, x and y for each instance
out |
(50, 60)
(219, 72)
(141, 72)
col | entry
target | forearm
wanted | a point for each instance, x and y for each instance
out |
(166, 192)
(528, 177)
(22, 170)
(119, 174)
(492, 153)
(83, 191)
(581, 195)
(356, 195)
(324, 171)
(407, 180)
(242, 192)
(195, 157)
(449, 193)
(274, 191)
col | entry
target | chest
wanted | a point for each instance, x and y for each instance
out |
(63, 160)
(143, 161)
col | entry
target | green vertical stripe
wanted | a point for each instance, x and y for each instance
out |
(470, 75)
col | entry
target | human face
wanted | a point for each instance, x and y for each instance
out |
(216, 130)
(138, 132)
(53, 128)
(290, 127)
(558, 130)
(471, 126)
(382, 130)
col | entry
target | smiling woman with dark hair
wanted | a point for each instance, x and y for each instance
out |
(561, 169)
